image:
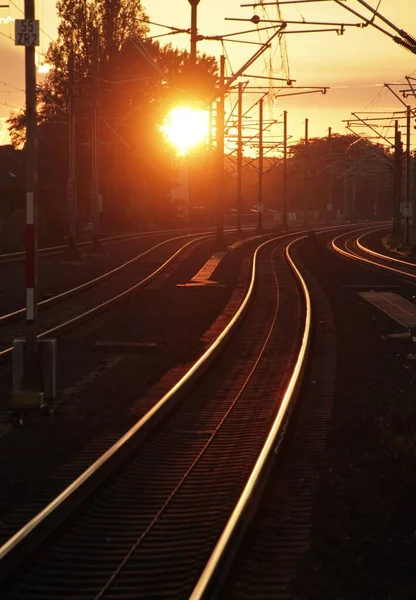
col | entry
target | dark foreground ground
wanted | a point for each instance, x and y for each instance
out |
(100, 389)
(364, 524)
(363, 545)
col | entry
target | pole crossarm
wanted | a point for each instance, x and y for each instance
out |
(372, 129)
(389, 87)
(370, 150)
(258, 89)
(288, 81)
(259, 20)
(403, 116)
(281, 2)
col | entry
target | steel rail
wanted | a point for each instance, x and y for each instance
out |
(236, 525)
(237, 522)
(6, 318)
(380, 255)
(56, 511)
(77, 320)
(97, 472)
(354, 256)
(56, 250)
(207, 444)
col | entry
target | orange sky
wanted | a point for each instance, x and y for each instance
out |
(355, 66)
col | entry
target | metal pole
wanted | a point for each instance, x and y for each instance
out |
(194, 30)
(376, 197)
(407, 179)
(239, 155)
(305, 186)
(31, 374)
(354, 200)
(397, 180)
(353, 185)
(346, 207)
(210, 127)
(95, 145)
(72, 184)
(330, 168)
(220, 154)
(260, 190)
(285, 169)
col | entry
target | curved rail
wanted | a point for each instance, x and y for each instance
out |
(96, 473)
(380, 255)
(92, 282)
(236, 523)
(107, 241)
(37, 529)
(66, 325)
(354, 256)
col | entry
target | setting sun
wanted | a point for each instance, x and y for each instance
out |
(186, 128)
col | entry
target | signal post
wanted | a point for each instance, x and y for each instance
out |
(29, 365)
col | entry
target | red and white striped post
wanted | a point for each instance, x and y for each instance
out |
(31, 366)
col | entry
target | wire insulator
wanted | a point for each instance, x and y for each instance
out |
(406, 45)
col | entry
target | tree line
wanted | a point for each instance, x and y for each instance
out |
(137, 82)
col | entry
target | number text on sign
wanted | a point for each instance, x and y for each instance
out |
(26, 32)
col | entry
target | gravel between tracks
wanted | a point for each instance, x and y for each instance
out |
(364, 527)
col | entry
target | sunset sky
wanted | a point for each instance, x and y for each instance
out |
(355, 65)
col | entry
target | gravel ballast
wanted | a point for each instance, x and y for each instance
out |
(364, 525)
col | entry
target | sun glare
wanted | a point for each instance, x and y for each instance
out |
(185, 128)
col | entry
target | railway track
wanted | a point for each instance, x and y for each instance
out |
(56, 277)
(113, 286)
(172, 528)
(352, 245)
(180, 485)
(105, 241)
(269, 561)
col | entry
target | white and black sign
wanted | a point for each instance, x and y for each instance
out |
(26, 32)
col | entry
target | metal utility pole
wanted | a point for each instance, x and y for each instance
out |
(31, 374)
(96, 199)
(397, 180)
(329, 207)
(376, 204)
(72, 183)
(220, 155)
(346, 207)
(260, 189)
(239, 155)
(211, 109)
(190, 162)
(284, 219)
(194, 30)
(354, 200)
(407, 206)
(305, 185)
(353, 185)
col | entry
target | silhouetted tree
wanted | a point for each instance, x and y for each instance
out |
(138, 81)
